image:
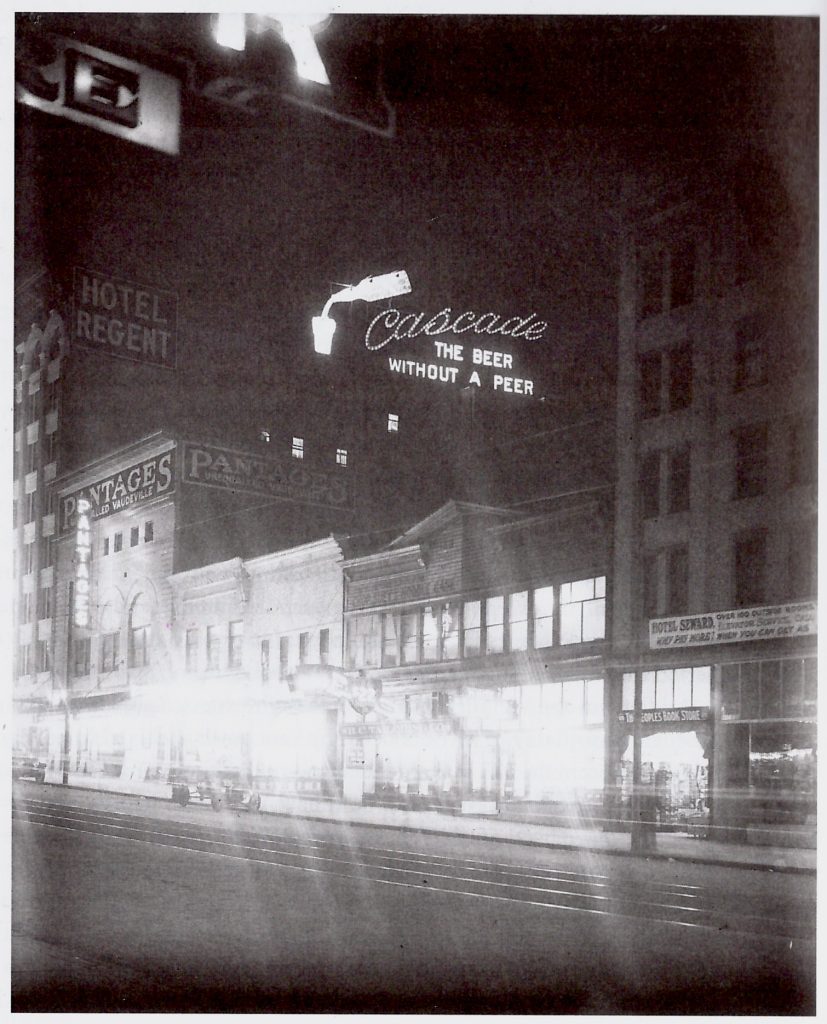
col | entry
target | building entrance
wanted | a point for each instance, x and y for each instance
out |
(675, 769)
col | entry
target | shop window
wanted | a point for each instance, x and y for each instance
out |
(364, 639)
(803, 461)
(134, 536)
(679, 469)
(297, 448)
(430, 633)
(594, 702)
(106, 546)
(450, 630)
(117, 542)
(770, 689)
(583, 610)
(191, 650)
(518, 621)
(284, 657)
(149, 531)
(650, 485)
(682, 274)
(494, 624)
(750, 364)
(213, 649)
(677, 563)
(393, 423)
(341, 456)
(110, 652)
(390, 639)
(730, 692)
(751, 690)
(324, 646)
(543, 617)
(650, 384)
(749, 567)
(471, 631)
(750, 460)
(264, 660)
(235, 644)
(680, 377)
(81, 656)
(44, 656)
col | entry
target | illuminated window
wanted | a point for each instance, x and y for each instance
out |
(471, 631)
(297, 451)
(430, 633)
(213, 648)
(450, 630)
(494, 626)
(118, 542)
(409, 625)
(264, 660)
(324, 646)
(583, 610)
(543, 616)
(81, 655)
(134, 536)
(235, 643)
(364, 641)
(149, 531)
(518, 621)
(390, 639)
(341, 456)
(393, 423)
(304, 648)
(264, 435)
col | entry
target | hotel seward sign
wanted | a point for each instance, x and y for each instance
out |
(735, 626)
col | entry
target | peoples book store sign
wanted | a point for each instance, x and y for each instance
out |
(470, 358)
(735, 625)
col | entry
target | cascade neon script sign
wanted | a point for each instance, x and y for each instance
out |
(391, 325)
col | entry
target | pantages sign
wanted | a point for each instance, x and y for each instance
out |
(141, 482)
(230, 470)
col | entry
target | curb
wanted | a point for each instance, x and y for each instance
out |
(788, 869)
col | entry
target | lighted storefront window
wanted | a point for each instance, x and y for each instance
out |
(543, 616)
(364, 638)
(430, 633)
(450, 630)
(471, 628)
(410, 637)
(583, 610)
(390, 639)
(494, 625)
(518, 621)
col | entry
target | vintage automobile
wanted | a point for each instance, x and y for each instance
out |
(24, 766)
(228, 789)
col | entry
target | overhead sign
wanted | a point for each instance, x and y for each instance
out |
(735, 626)
(138, 484)
(99, 89)
(123, 319)
(464, 358)
(665, 716)
(229, 470)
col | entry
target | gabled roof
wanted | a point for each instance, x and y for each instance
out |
(449, 512)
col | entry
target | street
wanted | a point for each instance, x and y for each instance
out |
(138, 905)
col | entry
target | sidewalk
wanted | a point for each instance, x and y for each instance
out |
(669, 846)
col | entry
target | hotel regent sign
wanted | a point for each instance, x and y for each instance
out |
(230, 470)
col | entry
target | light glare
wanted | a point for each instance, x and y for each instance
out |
(230, 30)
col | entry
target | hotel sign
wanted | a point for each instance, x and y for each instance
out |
(92, 87)
(138, 484)
(131, 321)
(232, 471)
(735, 626)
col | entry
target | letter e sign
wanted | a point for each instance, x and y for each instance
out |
(102, 89)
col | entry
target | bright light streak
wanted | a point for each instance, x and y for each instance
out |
(299, 37)
(230, 30)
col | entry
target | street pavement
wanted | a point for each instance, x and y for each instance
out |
(125, 903)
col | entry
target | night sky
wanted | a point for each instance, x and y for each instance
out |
(498, 192)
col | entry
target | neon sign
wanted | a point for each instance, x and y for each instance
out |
(408, 326)
(83, 552)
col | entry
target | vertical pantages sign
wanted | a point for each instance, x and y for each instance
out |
(83, 552)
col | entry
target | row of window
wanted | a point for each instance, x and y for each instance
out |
(115, 542)
(207, 651)
(30, 459)
(297, 446)
(569, 613)
(666, 572)
(42, 651)
(769, 689)
(45, 603)
(668, 688)
(29, 555)
(139, 649)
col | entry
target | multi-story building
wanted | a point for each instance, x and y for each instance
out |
(480, 637)
(714, 577)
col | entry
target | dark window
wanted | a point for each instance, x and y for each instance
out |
(750, 461)
(730, 691)
(650, 283)
(284, 656)
(235, 644)
(44, 656)
(679, 470)
(324, 646)
(106, 545)
(651, 607)
(46, 552)
(390, 638)
(650, 485)
(803, 561)
(682, 289)
(793, 693)
(149, 531)
(750, 364)
(81, 655)
(139, 637)
(678, 580)
(304, 647)
(264, 661)
(30, 506)
(650, 384)
(750, 558)
(118, 542)
(680, 377)
(803, 452)
(29, 558)
(213, 649)
(191, 653)
(750, 689)
(110, 651)
(770, 689)
(134, 536)
(45, 603)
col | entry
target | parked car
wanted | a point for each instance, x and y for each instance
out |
(24, 766)
(219, 789)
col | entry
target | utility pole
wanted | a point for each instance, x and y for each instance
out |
(66, 678)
